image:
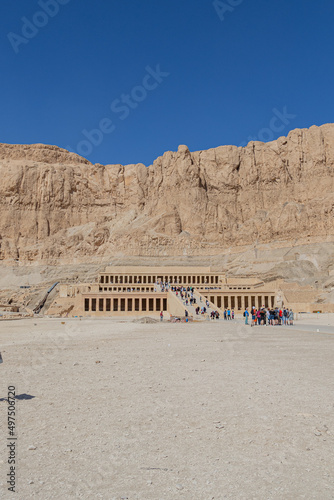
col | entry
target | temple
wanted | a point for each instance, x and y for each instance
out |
(136, 290)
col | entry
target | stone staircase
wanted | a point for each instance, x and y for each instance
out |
(191, 309)
(199, 303)
(202, 301)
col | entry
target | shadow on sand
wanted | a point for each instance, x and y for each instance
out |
(20, 397)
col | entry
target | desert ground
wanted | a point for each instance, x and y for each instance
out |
(200, 411)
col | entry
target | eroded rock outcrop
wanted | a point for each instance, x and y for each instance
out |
(58, 207)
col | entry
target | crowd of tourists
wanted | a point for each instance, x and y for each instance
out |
(228, 314)
(164, 286)
(270, 316)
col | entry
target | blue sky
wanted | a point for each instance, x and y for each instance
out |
(146, 76)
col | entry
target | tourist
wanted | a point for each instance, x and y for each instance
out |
(268, 316)
(291, 317)
(253, 317)
(161, 316)
(228, 314)
(232, 314)
(225, 314)
(280, 316)
(246, 316)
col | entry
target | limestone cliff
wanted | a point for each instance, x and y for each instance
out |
(58, 207)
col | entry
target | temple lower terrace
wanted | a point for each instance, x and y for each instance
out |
(142, 290)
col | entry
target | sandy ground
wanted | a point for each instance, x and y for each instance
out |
(202, 411)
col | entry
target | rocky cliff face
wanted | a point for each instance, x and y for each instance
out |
(57, 207)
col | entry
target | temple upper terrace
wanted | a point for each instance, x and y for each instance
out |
(175, 276)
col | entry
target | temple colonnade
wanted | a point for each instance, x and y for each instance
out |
(172, 279)
(125, 303)
(240, 301)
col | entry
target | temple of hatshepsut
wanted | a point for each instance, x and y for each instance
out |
(122, 291)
